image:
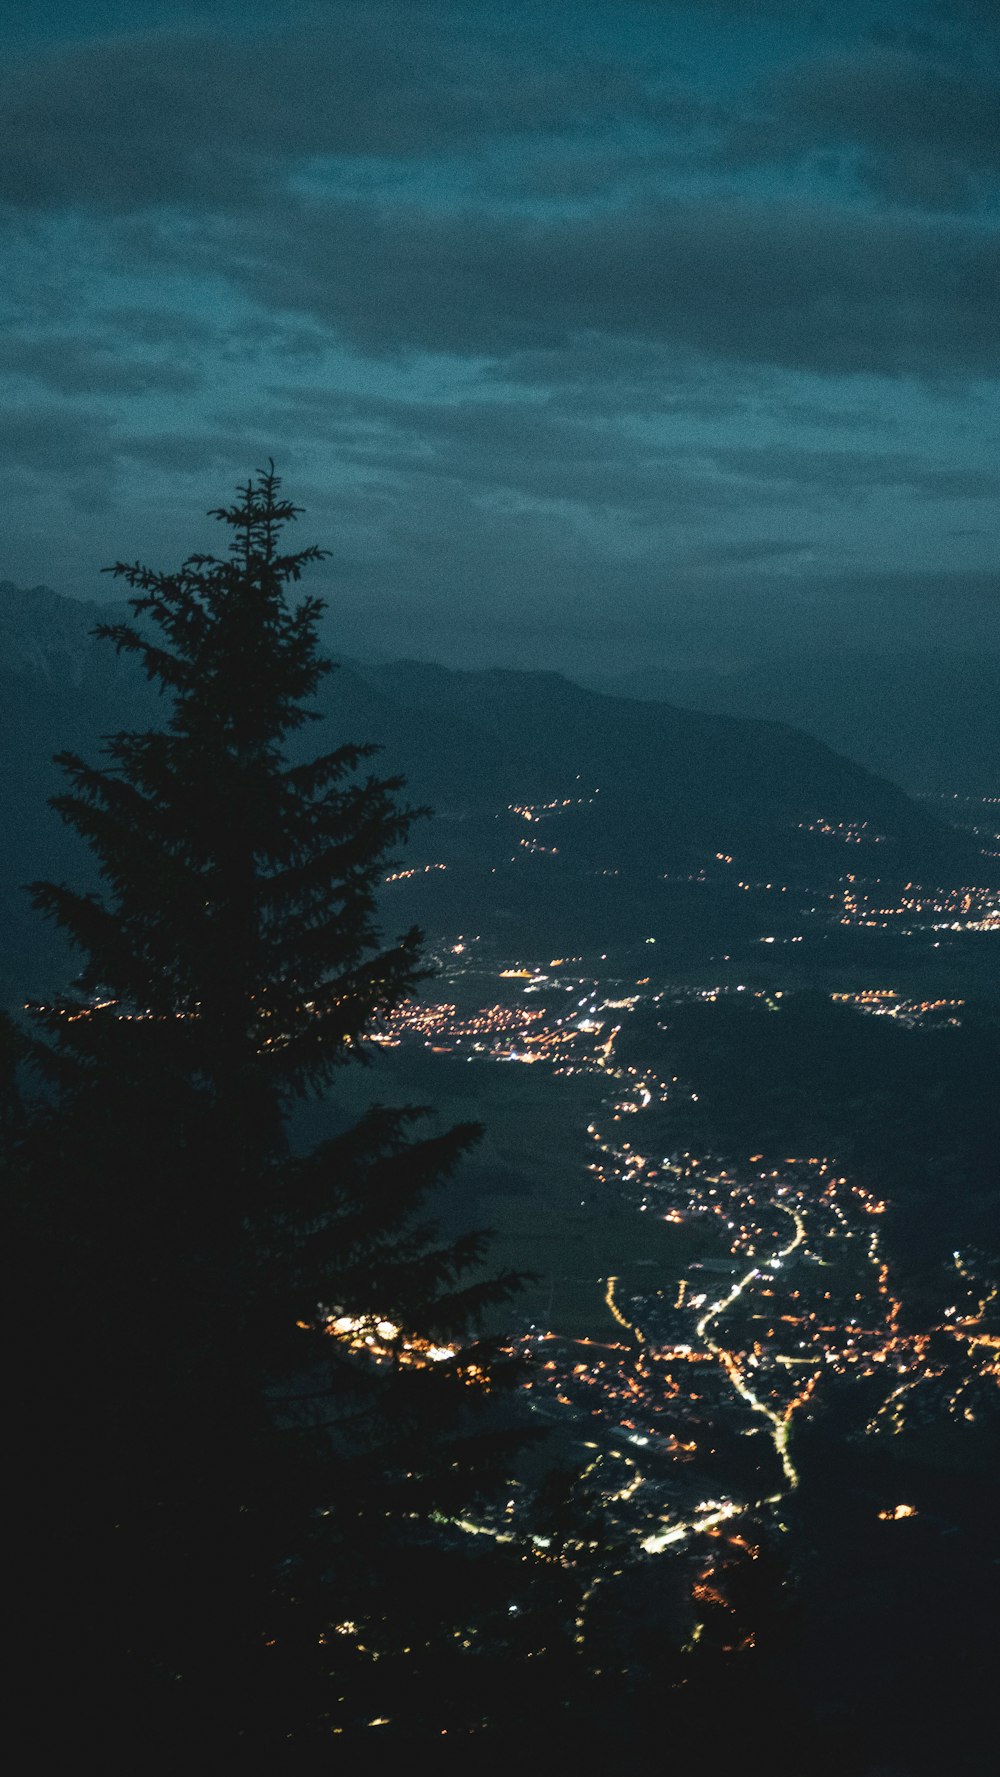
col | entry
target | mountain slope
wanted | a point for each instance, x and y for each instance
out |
(929, 721)
(620, 793)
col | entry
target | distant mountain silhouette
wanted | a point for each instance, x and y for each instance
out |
(695, 782)
(929, 721)
(43, 633)
(650, 789)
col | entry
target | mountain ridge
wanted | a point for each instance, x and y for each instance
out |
(637, 791)
(929, 721)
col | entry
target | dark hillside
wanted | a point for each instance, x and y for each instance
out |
(929, 721)
(557, 809)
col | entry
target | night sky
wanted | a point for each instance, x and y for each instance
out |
(591, 334)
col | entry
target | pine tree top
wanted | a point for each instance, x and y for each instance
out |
(216, 614)
(239, 888)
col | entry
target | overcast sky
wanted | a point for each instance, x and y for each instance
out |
(590, 333)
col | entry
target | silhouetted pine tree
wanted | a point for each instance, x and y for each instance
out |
(234, 1521)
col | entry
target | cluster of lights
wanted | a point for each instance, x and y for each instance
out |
(885, 1002)
(966, 908)
(440, 1024)
(416, 870)
(848, 832)
(382, 1341)
(536, 811)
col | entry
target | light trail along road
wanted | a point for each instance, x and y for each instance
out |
(780, 1423)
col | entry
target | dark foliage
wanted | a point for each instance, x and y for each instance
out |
(233, 1523)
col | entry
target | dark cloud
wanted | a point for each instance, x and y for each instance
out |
(797, 284)
(218, 117)
(211, 128)
(600, 371)
(515, 448)
(537, 451)
(771, 552)
(54, 439)
(916, 130)
(75, 444)
(852, 473)
(613, 325)
(146, 325)
(195, 452)
(91, 365)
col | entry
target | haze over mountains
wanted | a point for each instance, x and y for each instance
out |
(928, 720)
(620, 793)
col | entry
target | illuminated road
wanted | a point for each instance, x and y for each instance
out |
(780, 1423)
(609, 1302)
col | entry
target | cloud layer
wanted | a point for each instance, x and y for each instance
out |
(649, 308)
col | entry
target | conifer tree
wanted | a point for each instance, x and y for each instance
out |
(254, 1400)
